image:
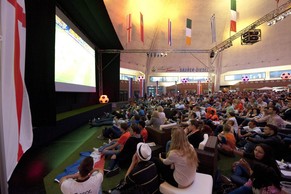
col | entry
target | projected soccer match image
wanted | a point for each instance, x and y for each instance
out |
(74, 61)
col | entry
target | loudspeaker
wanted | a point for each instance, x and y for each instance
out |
(212, 54)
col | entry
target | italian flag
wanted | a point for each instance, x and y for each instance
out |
(233, 15)
(188, 31)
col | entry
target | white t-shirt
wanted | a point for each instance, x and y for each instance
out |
(92, 185)
(255, 129)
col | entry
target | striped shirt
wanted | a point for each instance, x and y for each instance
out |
(145, 175)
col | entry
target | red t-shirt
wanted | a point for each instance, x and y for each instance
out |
(144, 134)
(123, 138)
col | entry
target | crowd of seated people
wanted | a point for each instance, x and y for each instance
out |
(241, 120)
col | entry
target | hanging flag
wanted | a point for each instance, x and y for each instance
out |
(233, 15)
(141, 87)
(169, 32)
(188, 31)
(277, 2)
(141, 28)
(15, 110)
(157, 88)
(130, 91)
(213, 28)
(128, 27)
(199, 88)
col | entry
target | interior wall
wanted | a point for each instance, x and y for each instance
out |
(111, 76)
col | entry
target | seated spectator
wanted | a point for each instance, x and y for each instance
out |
(247, 131)
(142, 174)
(211, 114)
(162, 115)
(261, 112)
(261, 103)
(272, 118)
(116, 145)
(87, 180)
(134, 120)
(238, 106)
(230, 117)
(227, 108)
(141, 111)
(179, 166)
(197, 111)
(180, 105)
(123, 158)
(143, 131)
(190, 117)
(263, 179)
(154, 121)
(193, 133)
(205, 128)
(262, 153)
(269, 137)
(250, 130)
(226, 140)
(113, 132)
(286, 114)
(100, 122)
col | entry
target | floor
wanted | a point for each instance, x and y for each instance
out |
(39, 162)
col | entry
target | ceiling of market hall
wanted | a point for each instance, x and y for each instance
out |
(157, 13)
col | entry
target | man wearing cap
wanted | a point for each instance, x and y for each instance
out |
(142, 173)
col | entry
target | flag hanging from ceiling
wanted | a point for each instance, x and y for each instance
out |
(157, 88)
(188, 31)
(213, 28)
(16, 117)
(277, 2)
(169, 32)
(130, 93)
(233, 15)
(141, 28)
(128, 27)
(199, 88)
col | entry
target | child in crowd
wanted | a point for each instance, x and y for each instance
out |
(227, 140)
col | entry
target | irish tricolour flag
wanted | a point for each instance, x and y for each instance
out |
(188, 31)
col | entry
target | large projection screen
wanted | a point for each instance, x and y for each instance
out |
(74, 58)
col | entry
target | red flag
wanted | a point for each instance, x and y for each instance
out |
(199, 88)
(128, 28)
(169, 32)
(17, 126)
(141, 28)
